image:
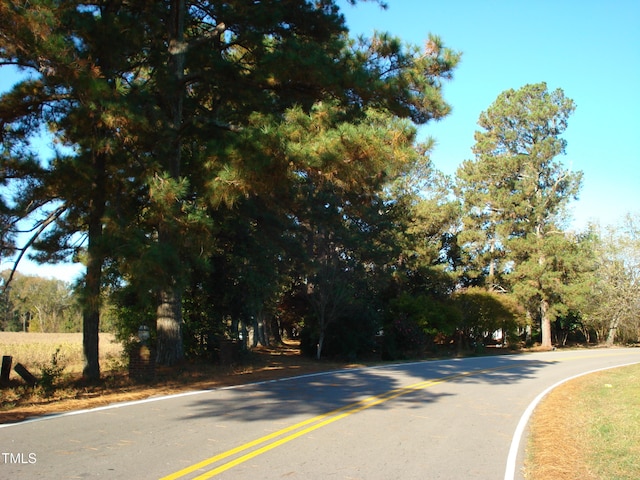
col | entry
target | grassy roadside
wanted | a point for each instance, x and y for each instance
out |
(588, 428)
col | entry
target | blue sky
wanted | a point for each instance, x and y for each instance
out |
(590, 49)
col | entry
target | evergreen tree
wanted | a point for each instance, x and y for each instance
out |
(514, 196)
(165, 106)
(339, 171)
(244, 70)
(77, 58)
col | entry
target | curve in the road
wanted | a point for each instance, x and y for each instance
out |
(292, 432)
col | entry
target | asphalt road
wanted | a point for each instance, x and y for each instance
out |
(450, 419)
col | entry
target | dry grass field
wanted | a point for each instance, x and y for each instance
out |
(36, 349)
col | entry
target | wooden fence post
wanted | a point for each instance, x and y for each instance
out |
(25, 374)
(6, 369)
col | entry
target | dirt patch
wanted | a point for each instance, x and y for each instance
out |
(259, 365)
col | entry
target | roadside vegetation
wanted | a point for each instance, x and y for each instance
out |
(34, 350)
(56, 360)
(588, 429)
(232, 178)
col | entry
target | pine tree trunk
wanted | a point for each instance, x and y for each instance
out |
(545, 321)
(91, 324)
(319, 346)
(169, 327)
(256, 332)
(245, 336)
(276, 330)
(613, 329)
(260, 335)
(93, 279)
(169, 310)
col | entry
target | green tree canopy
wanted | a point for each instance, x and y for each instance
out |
(514, 196)
(168, 110)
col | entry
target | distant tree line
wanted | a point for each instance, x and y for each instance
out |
(235, 173)
(35, 304)
(30, 303)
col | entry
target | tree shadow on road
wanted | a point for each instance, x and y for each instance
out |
(381, 386)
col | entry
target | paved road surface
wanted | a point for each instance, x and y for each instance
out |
(451, 419)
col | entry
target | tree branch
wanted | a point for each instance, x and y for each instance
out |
(52, 217)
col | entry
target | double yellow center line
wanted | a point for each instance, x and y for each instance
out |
(276, 439)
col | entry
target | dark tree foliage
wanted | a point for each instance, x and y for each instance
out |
(214, 160)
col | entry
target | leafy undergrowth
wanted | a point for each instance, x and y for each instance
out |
(588, 429)
(20, 402)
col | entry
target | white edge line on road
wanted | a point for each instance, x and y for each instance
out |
(230, 387)
(510, 471)
(199, 392)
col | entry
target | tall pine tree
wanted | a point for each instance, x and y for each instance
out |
(515, 193)
(78, 60)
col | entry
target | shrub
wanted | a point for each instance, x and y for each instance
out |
(51, 373)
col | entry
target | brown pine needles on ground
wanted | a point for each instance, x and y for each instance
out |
(588, 429)
(555, 445)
